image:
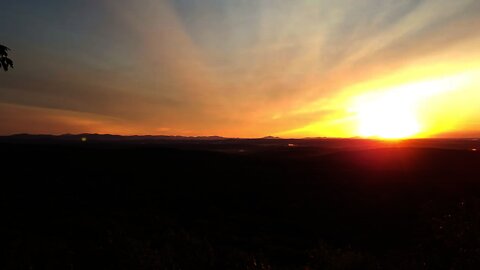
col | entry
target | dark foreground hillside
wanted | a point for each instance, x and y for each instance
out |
(240, 204)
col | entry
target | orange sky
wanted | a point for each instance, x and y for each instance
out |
(243, 68)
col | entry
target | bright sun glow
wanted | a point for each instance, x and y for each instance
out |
(388, 117)
(394, 113)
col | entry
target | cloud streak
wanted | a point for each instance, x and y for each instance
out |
(233, 68)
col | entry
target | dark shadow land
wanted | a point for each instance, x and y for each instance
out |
(163, 203)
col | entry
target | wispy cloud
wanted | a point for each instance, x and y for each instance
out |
(235, 68)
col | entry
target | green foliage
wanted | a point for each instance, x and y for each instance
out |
(5, 62)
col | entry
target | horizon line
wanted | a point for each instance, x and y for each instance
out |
(226, 137)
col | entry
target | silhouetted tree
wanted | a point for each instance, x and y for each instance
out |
(5, 62)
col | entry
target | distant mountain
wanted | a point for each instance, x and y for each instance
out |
(104, 138)
(271, 138)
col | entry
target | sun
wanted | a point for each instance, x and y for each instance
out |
(388, 121)
(387, 116)
(405, 110)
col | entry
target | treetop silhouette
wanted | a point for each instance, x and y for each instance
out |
(5, 62)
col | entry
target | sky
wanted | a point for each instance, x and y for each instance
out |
(242, 68)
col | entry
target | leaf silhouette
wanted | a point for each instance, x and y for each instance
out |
(5, 62)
